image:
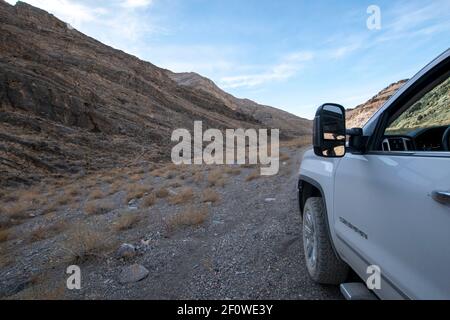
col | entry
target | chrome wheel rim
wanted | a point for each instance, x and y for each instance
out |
(309, 238)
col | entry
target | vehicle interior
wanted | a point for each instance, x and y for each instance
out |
(422, 126)
(423, 139)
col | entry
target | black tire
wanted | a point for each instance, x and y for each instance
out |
(326, 268)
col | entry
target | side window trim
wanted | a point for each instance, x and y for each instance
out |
(426, 82)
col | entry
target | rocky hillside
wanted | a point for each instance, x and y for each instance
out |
(430, 111)
(289, 124)
(70, 104)
(358, 116)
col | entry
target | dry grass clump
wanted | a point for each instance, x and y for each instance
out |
(216, 178)
(5, 235)
(50, 208)
(84, 242)
(136, 177)
(98, 207)
(162, 193)
(190, 218)
(198, 177)
(45, 232)
(17, 204)
(149, 200)
(175, 184)
(17, 211)
(73, 191)
(127, 221)
(9, 197)
(209, 195)
(31, 197)
(184, 196)
(43, 291)
(136, 191)
(5, 260)
(96, 194)
(63, 200)
(115, 187)
(168, 172)
(254, 175)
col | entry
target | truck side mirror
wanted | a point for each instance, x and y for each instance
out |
(329, 131)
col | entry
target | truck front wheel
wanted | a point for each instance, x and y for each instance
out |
(322, 263)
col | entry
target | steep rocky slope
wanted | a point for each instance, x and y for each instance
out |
(430, 111)
(289, 124)
(70, 104)
(358, 116)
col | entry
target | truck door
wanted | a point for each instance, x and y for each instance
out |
(392, 204)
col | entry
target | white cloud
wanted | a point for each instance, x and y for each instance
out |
(136, 3)
(106, 21)
(345, 50)
(289, 66)
(69, 11)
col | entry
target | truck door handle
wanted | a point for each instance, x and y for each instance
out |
(441, 197)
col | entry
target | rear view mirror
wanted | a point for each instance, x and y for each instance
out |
(329, 131)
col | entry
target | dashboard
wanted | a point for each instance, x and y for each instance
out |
(428, 139)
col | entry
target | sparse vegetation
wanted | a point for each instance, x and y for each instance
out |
(216, 178)
(98, 207)
(149, 200)
(136, 177)
(127, 221)
(44, 232)
(162, 193)
(184, 196)
(50, 208)
(63, 200)
(18, 211)
(198, 177)
(73, 191)
(136, 191)
(96, 194)
(209, 195)
(5, 235)
(115, 187)
(189, 218)
(84, 242)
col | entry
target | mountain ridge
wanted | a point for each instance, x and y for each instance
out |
(70, 104)
(358, 116)
(270, 116)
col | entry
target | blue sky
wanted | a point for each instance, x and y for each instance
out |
(290, 54)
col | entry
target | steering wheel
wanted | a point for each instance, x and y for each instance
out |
(446, 140)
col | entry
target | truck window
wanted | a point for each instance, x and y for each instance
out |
(423, 125)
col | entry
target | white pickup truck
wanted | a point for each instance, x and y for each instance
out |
(380, 196)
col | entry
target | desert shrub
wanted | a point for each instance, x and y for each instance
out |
(184, 196)
(84, 242)
(98, 207)
(162, 193)
(149, 200)
(209, 195)
(127, 221)
(189, 218)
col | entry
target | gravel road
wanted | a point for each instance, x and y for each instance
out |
(249, 248)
